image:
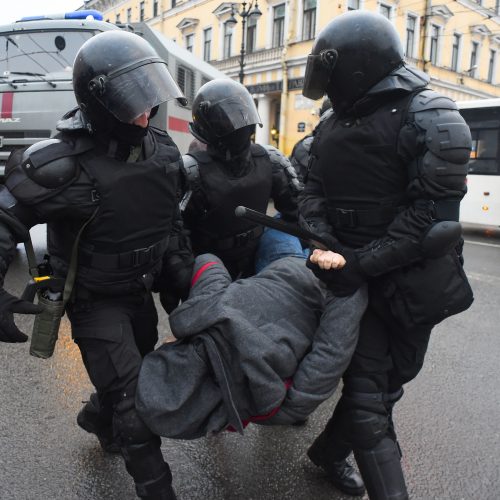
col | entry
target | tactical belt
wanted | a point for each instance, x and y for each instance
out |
(125, 260)
(348, 217)
(236, 241)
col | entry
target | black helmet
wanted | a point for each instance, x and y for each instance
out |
(120, 73)
(351, 54)
(221, 107)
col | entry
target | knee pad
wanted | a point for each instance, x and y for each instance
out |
(367, 428)
(128, 425)
(366, 412)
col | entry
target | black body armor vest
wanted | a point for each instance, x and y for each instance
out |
(218, 230)
(363, 177)
(129, 234)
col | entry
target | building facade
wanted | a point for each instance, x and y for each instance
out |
(457, 42)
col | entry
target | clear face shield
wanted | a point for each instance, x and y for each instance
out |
(318, 71)
(130, 91)
(230, 114)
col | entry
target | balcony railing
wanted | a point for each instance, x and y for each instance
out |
(252, 58)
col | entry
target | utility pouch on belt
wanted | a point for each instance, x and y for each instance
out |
(52, 293)
(46, 325)
(429, 291)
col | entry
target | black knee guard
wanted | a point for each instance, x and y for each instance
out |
(366, 412)
(128, 425)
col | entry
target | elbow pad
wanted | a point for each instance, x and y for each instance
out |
(392, 254)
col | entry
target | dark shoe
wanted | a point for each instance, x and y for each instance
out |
(89, 420)
(342, 474)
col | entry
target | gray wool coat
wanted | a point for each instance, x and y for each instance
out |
(238, 342)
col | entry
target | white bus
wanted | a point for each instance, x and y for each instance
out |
(36, 88)
(481, 204)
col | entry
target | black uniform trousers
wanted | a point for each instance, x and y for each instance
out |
(113, 333)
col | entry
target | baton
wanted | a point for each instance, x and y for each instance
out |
(279, 225)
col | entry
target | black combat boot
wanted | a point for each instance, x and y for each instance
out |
(343, 475)
(381, 470)
(91, 420)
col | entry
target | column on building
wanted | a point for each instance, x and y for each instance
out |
(262, 135)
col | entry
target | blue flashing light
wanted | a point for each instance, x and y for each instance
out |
(77, 14)
(83, 14)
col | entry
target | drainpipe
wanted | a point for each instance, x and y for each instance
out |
(425, 33)
(291, 8)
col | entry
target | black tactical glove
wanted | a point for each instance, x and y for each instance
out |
(341, 282)
(9, 305)
(176, 282)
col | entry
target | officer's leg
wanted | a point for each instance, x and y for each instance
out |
(375, 448)
(96, 415)
(141, 450)
(106, 340)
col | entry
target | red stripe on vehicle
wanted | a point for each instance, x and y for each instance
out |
(178, 124)
(7, 101)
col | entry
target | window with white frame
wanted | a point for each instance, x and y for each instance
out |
(309, 20)
(251, 44)
(129, 15)
(435, 32)
(117, 19)
(411, 27)
(278, 25)
(491, 66)
(155, 8)
(455, 51)
(189, 40)
(207, 44)
(474, 53)
(385, 10)
(228, 40)
(141, 11)
(353, 4)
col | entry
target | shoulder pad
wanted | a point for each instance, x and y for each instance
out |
(191, 170)
(276, 156)
(280, 161)
(44, 169)
(429, 99)
(46, 163)
(446, 133)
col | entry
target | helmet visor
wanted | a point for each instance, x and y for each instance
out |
(130, 91)
(230, 114)
(318, 71)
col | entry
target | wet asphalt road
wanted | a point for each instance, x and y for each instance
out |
(448, 421)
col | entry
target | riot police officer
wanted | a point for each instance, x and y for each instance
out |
(385, 182)
(108, 169)
(232, 172)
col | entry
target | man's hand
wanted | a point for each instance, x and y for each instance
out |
(8, 306)
(326, 259)
(342, 280)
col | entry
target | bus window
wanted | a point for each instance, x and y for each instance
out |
(484, 154)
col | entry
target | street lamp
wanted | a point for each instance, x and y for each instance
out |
(250, 12)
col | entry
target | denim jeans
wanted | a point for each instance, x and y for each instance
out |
(275, 245)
